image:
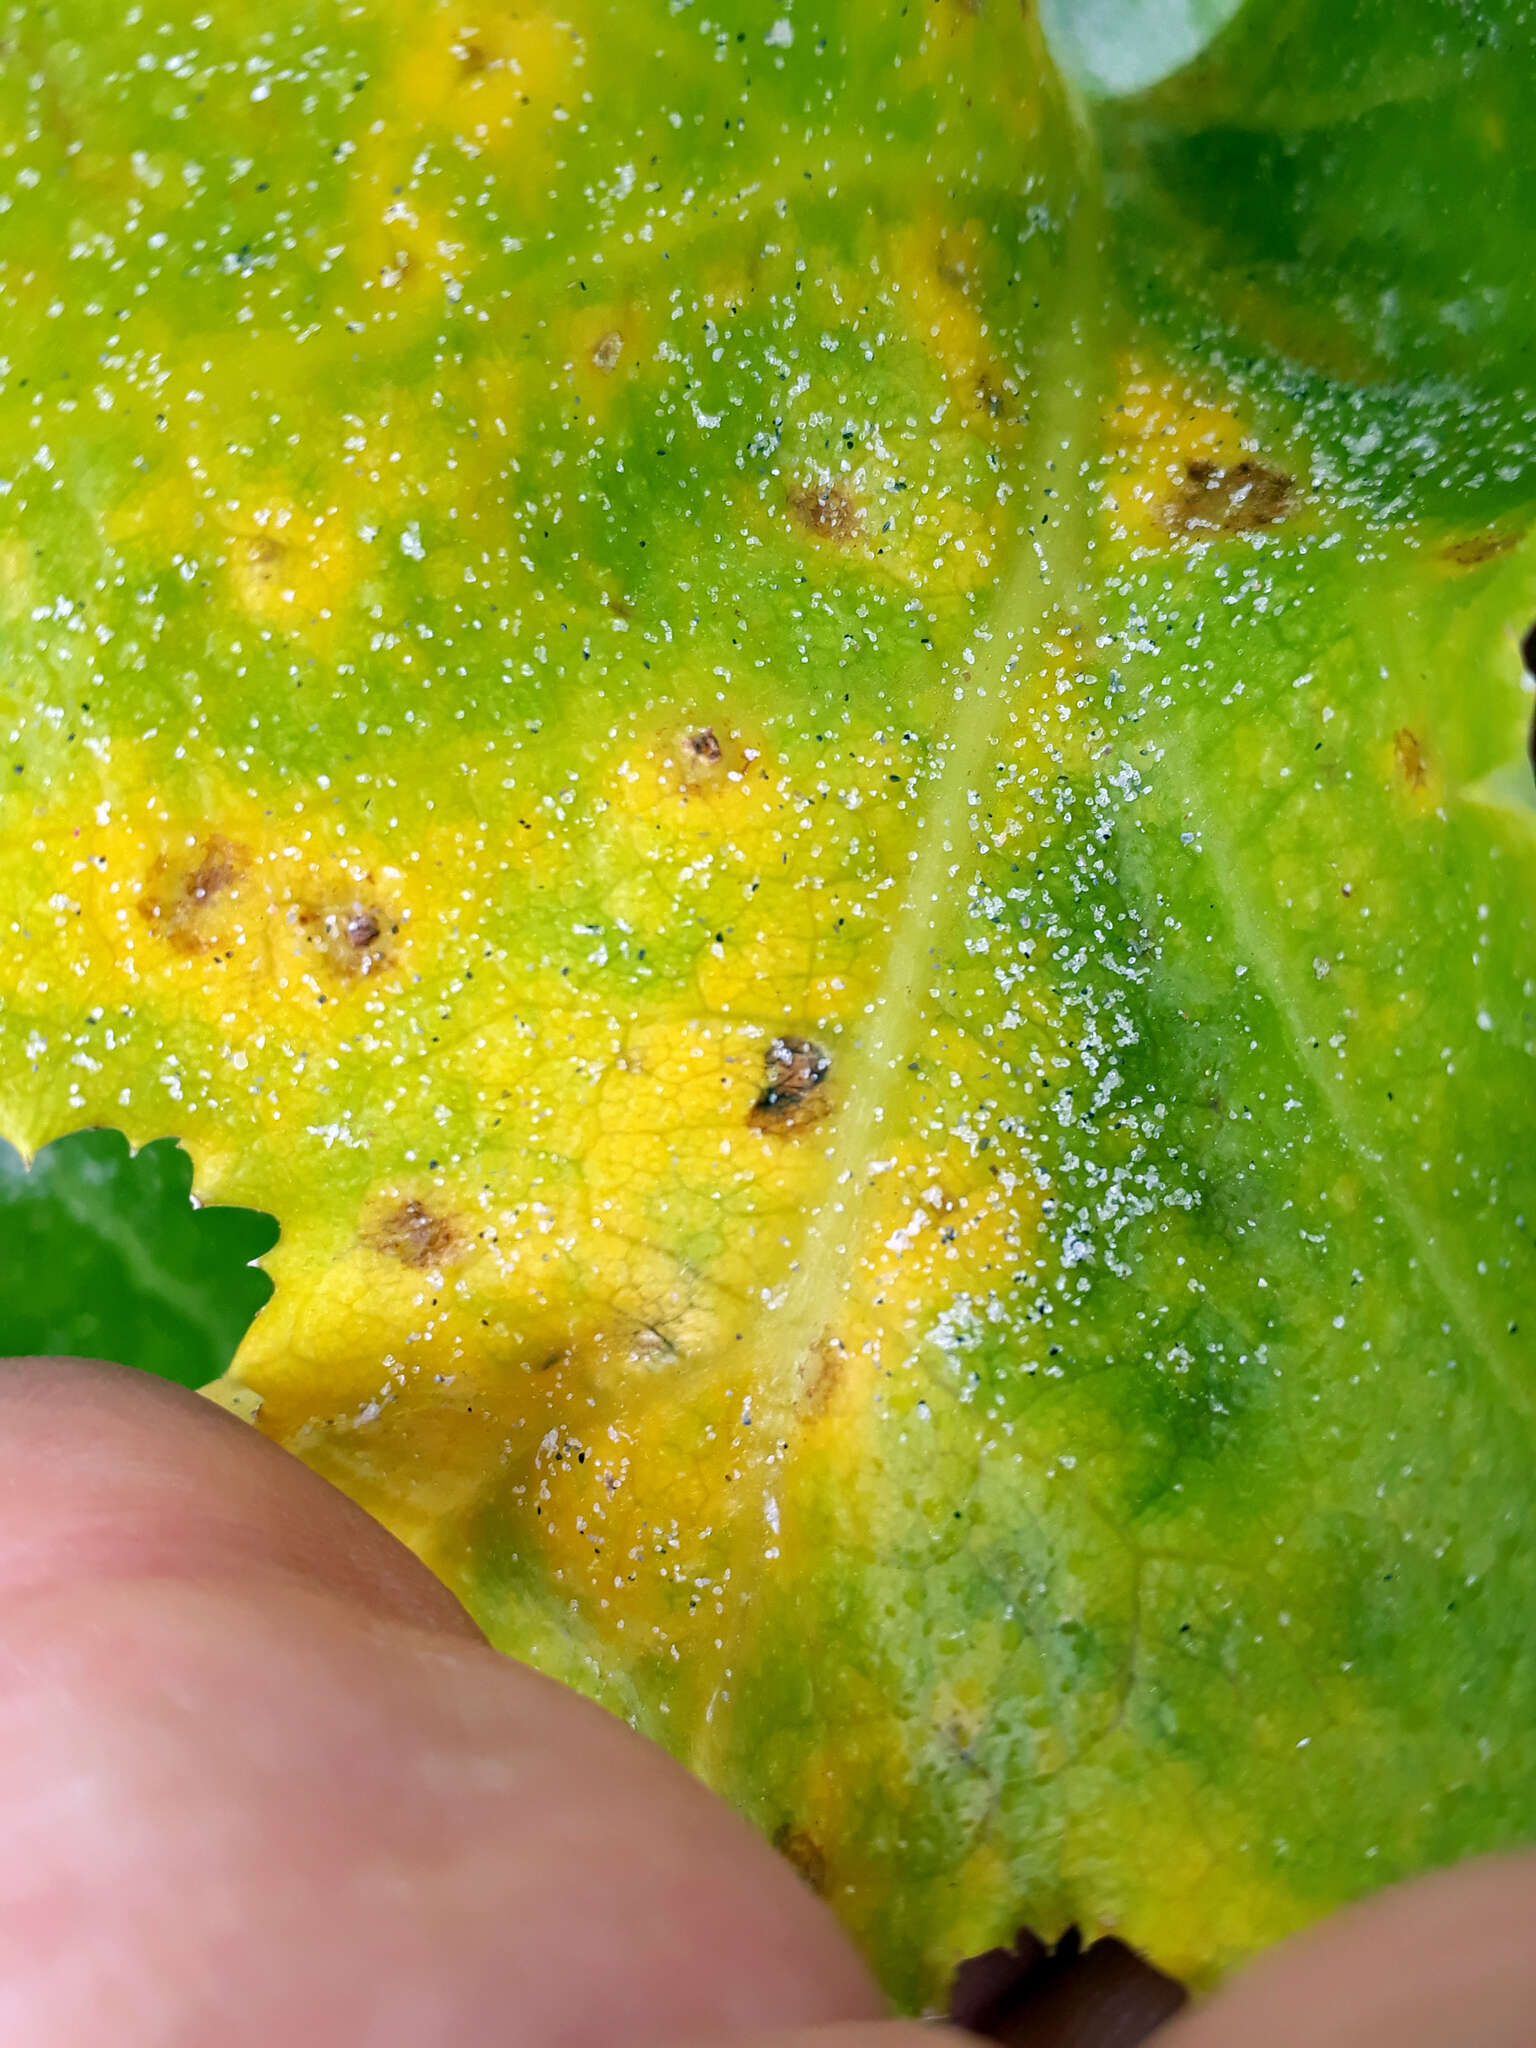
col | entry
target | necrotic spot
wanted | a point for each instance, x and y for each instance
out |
(414, 1235)
(1236, 497)
(182, 901)
(1474, 549)
(828, 511)
(701, 745)
(1410, 757)
(352, 936)
(794, 1077)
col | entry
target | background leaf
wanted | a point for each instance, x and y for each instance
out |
(102, 1255)
(1335, 198)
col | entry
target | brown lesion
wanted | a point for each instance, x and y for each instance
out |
(828, 510)
(1474, 549)
(803, 1854)
(1234, 497)
(414, 1234)
(794, 1093)
(607, 349)
(1410, 757)
(263, 560)
(184, 902)
(700, 747)
(820, 1375)
(353, 936)
(702, 756)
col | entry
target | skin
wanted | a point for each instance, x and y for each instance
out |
(261, 1779)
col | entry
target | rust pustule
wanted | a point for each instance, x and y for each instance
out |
(1237, 497)
(264, 554)
(182, 905)
(702, 756)
(1478, 548)
(794, 1091)
(819, 1376)
(415, 1235)
(1410, 757)
(828, 511)
(352, 936)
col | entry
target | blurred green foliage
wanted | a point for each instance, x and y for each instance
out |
(103, 1254)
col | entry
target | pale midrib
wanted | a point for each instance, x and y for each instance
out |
(1044, 580)
(1410, 1218)
(833, 1236)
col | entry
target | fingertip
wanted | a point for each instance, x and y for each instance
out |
(436, 1841)
(1450, 1957)
(109, 1473)
(851, 2034)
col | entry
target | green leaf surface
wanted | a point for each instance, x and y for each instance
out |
(821, 768)
(1336, 199)
(102, 1255)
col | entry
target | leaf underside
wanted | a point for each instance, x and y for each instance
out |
(820, 769)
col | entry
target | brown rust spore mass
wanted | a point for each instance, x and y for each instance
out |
(794, 1091)
(182, 902)
(828, 511)
(415, 1235)
(1237, 497)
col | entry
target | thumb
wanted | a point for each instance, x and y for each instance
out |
(1449, 1959)
(262, 1780)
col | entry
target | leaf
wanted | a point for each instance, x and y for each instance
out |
(857, 874)
(103, 1256)
(1340, 193)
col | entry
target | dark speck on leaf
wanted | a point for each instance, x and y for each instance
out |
(1033, 1996)
(701, 745)
(995, 395)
